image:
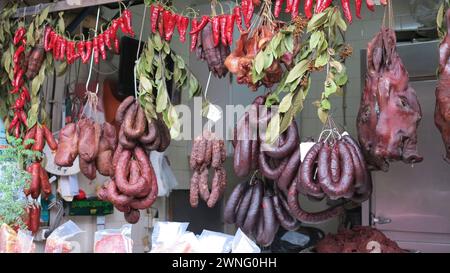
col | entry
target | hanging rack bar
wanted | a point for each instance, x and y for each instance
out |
(60, 6)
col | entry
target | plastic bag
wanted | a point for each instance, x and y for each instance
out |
(214, 242)
(171, 237)
(243, 244)
(57, 241)
(24, 243)
(8, 239)
(164, 175)
(114, 240)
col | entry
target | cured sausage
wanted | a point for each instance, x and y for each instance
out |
(146, 171)
(306, 172)
(120, 113)
(150, 134)
(103, 163)
(217, 187)
(116, 156)
(203, 184)
(254, 208)
(116, 197)
(271, 224)
(164, 133)
(255, 154)
(243, 206)
(51, 142)
(146, 202)
(67, 149)
(108, 140)
(345, 184)
(122, 173)
(155, 144)
(218, 149)
(194, 190)
(286, 220)
(45, 183)
(287, 146)
(242, 152)
(90, 133)
(132, 216)
(31, 134)
(135, 122)
(335, 167)
(229, 214)
(124, 141)
(35, 187)
(88, 169)
(309, 217)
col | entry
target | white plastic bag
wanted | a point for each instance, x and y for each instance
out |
(114, 240)
(214, 242)
(164, 175)
(24, 242)
(243, 244)
(166, 237)
(57, 241)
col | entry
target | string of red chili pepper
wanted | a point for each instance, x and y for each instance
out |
(18, 84)
(347, 12)
(71, 50)
(194, 36)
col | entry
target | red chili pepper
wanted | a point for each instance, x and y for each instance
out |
(216, 29)
(95, 49)
(63, 43)
(101, 46)
(17, 131)
(18, 77)
(194, 36)
(116, 45)
(88, 52)
(238, 17)
(47, 42)
(244, 9)
(70, 52)
(347, 12)
(182, 25)
(230, 28)
(25, 94)
(123, 27)
(19, 104)
(23, 118)
(370, 5)
(324, 5)
(128, 18)
(80, 49)
(161, 24)
(19, 51)
(114, 27)
(107, 38)
(358, 6)
(294, 10)
(14, 122)
(201, 25)
(249, 16)
(308, 8)
(20, 33)
(223, 29)
(288, 6)
(277, 9)
(154, 14)
(170, 21)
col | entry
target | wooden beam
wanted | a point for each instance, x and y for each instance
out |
(61, 6)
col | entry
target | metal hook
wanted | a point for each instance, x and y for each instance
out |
(92, 55)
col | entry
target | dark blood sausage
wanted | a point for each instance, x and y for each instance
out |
(120, 114)
(124, 141)
(287, 146)
(309, 217)
(146, 202)
(259, 228)
(363, 193)
(255, 204)
(116, 197)
(271, 223)
(255, 154)
(242, 152)
(289, 172)
(135, 128)
(359, 172)
(335, 167)
(194, 190)
(306, 173)
(164, 133)
(150, 134)
(345, 184)
(267, 170)
(155, 144)
(243, 206)
(49, 138)
(203, 184)
(286, 220)
(350, 141)
(132, 216)
(229, 214)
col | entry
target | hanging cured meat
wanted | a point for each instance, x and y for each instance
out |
(389, 112)
(442, 111)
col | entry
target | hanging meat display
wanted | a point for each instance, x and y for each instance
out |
(213, 53)
(442, 111)
(389, 112)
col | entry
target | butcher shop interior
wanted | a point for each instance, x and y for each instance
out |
(219, 126)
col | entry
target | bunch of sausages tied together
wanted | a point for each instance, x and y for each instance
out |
(208, 152)
(334, 169)
(133, 185)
